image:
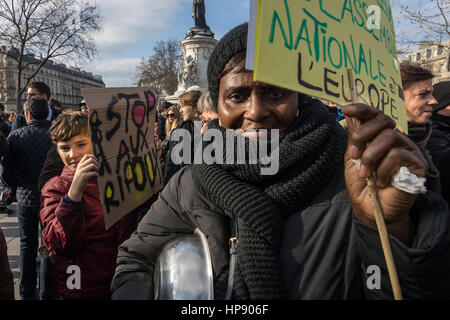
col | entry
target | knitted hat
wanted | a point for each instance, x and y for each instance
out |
(233, 42)
(442, 95)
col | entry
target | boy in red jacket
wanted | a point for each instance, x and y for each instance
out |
(84, 252)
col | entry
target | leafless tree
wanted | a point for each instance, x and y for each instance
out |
(160, 70)
(428, 21)
(47, 29)
(432, 19)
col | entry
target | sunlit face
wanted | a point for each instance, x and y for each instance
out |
(419, 102)
(171, 116)
(209, 115)
(33, 93)
(187, 111)
(73, 150)
(245, 104)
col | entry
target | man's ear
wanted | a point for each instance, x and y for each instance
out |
(28, 116)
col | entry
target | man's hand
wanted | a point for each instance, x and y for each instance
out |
(86, 169)
(382, 152)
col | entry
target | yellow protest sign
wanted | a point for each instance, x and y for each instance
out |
(121, 126)
(308, 46)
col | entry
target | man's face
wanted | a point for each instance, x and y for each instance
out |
(33, 93)
(73, 150)
(245, 104)
(419, 102)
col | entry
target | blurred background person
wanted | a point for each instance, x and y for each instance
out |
(5, 126)
(206, 108)
(439, 142)
(6, 276)
(57, 107)
(84, 107)
(190, 114)
(12, 117)
(173, 119)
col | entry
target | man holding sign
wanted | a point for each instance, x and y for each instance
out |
(306, 232)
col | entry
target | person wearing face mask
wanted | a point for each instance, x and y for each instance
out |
(306, 231)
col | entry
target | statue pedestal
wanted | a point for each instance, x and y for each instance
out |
(197, 48)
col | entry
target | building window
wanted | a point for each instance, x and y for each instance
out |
(418, 56)
(428, 54)
(440, 50)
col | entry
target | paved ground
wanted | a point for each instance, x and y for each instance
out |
(10, 227)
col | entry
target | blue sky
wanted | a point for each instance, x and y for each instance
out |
(132, 27)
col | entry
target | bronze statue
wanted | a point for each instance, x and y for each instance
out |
(198, 13)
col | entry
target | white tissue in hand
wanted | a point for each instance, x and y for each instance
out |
(404, 180)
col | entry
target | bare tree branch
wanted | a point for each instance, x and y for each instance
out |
(46, 28)
(161, 69)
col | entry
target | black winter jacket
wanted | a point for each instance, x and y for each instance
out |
(170, 167)
(325, 251)
(439, 148)
(52, 167)
(439, 142)
(28, 148)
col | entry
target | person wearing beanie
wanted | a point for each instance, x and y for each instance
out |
(304, 231)
(439, 143)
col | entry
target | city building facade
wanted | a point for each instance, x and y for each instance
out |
(434, 57)
(65, 82)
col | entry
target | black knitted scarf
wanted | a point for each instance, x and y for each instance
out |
(311, 151)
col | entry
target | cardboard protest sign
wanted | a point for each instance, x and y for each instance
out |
(121, 126)
(308, 46)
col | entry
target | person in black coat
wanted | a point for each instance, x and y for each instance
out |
(188, 109)
(36, 90)
(28, 147)
(439, 143)
(300, 226)
(5, 127)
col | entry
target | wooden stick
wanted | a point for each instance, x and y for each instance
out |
(378, 213)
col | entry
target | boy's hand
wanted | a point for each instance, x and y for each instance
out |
(86, 169)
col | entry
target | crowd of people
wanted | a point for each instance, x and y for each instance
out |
(306, 232)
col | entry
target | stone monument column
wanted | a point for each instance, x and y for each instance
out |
(197, 47)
